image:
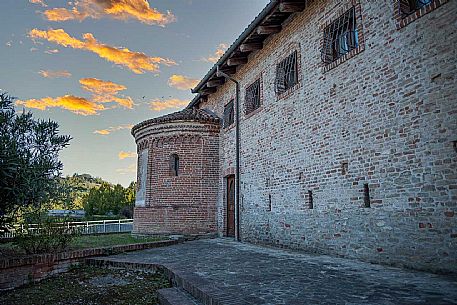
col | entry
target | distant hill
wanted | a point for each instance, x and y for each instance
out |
(80, 186)
(97, 196)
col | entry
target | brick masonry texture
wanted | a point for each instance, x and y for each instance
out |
(389, 112)
(183, 204)
(15, 272)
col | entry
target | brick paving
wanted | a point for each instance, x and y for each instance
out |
(261, 275)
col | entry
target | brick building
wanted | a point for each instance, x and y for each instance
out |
(347, 136)
(177, 173)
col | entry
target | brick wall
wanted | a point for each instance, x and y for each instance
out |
(183, 204)
(389, 111)
(18, 271)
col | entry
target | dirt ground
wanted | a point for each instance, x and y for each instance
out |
(90, 286)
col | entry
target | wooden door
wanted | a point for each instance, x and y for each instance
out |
(231, 206)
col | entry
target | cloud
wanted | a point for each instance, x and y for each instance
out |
(173, 103)
(54, 74)
(75, 104)
(126, 154)
(127, 170)
(102, 92)
(217, 54)
(102, 132)
(52, 51)
(137, 62)
(40, 2)
(106, 91)
(116, 9)
(182, 82)
(113, 129)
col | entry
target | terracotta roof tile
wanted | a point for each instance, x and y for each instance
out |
(187, 114)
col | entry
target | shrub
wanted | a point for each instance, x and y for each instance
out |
(45, 236)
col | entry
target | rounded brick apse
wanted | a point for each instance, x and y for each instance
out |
(178, 169)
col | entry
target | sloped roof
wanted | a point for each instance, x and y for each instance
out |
(268, 22)
(187, 114)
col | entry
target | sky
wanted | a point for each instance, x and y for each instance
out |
(98, 67)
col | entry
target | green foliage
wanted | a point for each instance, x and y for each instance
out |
(110, 199)
(29, 161)
(77, 186)
(44, 234)
(100, 199)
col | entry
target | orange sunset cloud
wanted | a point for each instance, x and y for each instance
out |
(159, 105)
(126, 154)
(116, 9)
(217, 54)
(78, 105)
(40, 2)
(52, 51)
(182, 82)
(137, 62)
(113, 129)
(54, 74)
(102, 92)
(106, 91)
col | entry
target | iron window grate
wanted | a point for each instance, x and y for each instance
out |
(340, 37)
(286, 73)
(408, 7)
(229, 114)
(252, 97)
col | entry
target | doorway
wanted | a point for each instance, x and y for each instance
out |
(230, 206)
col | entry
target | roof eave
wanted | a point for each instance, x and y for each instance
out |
(246, 33)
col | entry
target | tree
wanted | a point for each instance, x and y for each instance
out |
(29, 160)
(110, 199)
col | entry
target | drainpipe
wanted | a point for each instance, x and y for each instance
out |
(237, 145)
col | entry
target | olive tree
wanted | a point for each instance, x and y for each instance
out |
(29, 160)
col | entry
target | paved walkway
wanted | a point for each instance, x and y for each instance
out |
(272, 276)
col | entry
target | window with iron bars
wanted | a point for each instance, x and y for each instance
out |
(229, 114)
(252, 97)
(408, 7)
(340, 37)
(286, 73)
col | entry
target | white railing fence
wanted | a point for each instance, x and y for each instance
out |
(84, 227)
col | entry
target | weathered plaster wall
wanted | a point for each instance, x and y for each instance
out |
(390, 112)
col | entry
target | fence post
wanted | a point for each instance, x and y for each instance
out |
(87, 227)
(104, 226)
(119, 221)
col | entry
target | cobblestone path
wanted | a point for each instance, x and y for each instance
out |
(264, 275)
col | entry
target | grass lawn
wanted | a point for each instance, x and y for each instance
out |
(90, 286)
(95, 241)
(86, 241)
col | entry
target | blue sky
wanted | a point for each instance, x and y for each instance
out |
(93, 84)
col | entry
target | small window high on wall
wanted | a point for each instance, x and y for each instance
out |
(340, 37)
(229, 114)
(252, 97)
(286, 73)
(174, 165)
(407, 7)
(406, 11)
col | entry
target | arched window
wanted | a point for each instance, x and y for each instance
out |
(174, 165)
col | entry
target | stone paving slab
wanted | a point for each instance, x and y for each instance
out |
(268, 276)
(174, 296)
